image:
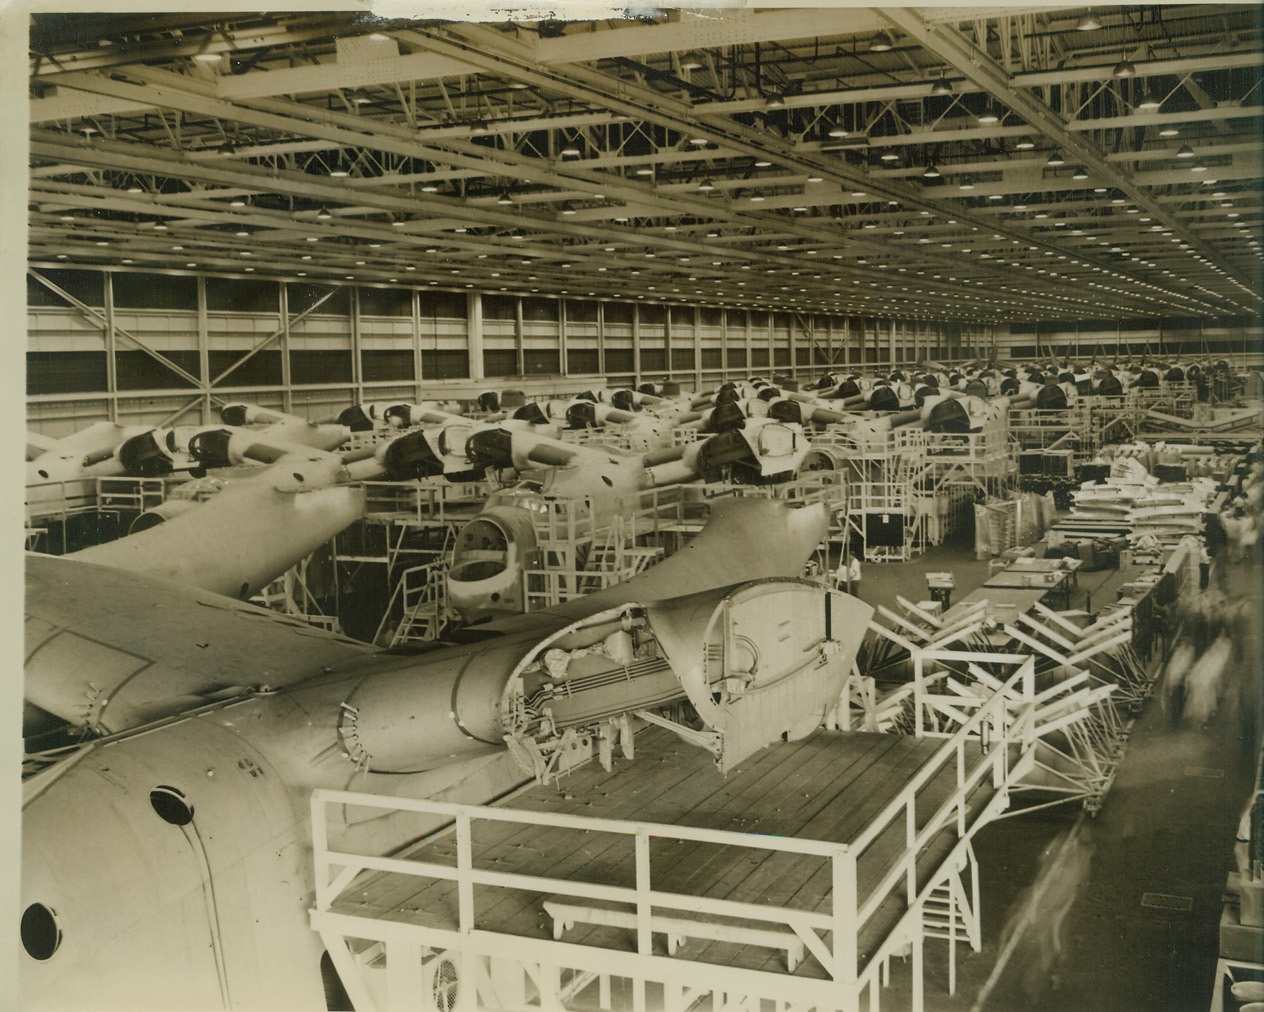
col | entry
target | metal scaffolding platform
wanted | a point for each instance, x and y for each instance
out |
(793, 881)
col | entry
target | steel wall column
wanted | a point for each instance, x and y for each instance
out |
(204, 350)
(111, 367)
(519, 340)
(474, 333)
(636, 341)
(357, 378)
(415, 314)
(283, 305)
(697, 347)
(562, 364)
(601, 337)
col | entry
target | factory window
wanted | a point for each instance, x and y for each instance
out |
(263, 369)
(712, 317)
(617, 312)
(681, 359)
(653, 360)
(541, 361)
(87, 287)
(499, 307)
(500, 362)
(443, 363)
(171, 805)
(737, 356)
(64, 372)
(781, 355)
(301, 298)
(758, 320)
(759, 357)
(653, 315)
(444, 305)
(682, 316)
(386, 302)
(382, 364)
(320, 367)
(712, 358)
(152, 291)
(41, 934)
(582, 360)
(540, 310)
(136, 370)
(581, 312)
(620, 360)
(229, 295)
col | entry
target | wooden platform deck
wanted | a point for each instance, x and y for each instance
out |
(829, 786)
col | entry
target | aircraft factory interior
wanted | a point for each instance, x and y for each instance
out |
(736, 509)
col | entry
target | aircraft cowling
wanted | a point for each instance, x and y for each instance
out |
(147, 455)
(490, 448)
(1051, 397)
(410, 457)
(531, 412)
(884, 398)
(210, 448)
(947, 416)
(356, 418)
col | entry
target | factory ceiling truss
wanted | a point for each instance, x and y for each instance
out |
(975, 164)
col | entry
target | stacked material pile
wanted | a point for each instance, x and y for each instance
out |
(1134, 503)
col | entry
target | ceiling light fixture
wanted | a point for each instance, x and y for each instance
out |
(836, 130)
(571, 150)
(1198, 167)
(1185, 151)
(942, 86)
(1024, 144)
(1150, 101)
(706, 186)
(931, 172)
(989, 116)
(1170, 131)
(323, 214)
(881, 43)
(1124, 68)
(775, 101)
(504, 198)
(691, 61)
(1080, 173)
(1088, 23)
(1055, 160)
(889, 156)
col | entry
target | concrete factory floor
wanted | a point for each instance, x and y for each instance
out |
(1120, 911)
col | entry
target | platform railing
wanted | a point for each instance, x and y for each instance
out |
(989, 751)
(424, 501)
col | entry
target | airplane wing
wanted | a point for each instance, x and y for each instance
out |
(110, 649)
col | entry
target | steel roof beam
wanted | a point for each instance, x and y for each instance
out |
(980, 68)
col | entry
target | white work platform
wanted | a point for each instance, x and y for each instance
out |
(794, 879)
